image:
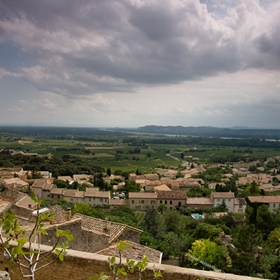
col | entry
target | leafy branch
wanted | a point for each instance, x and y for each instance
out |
(28, 254)
(118, 269)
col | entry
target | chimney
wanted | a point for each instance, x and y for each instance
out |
(68, 214)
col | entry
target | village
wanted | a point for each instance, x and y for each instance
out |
(161, 191)
(161, 188)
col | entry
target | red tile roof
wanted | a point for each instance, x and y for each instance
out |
(171, 195)
(265, 199)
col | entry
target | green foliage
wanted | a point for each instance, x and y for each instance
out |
(246, 258)
(209, 252)
(152, 222)
(199, 192)
(264, 220)
(173, 221)
(274, 240)
(206, 231)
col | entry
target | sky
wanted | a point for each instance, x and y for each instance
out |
(130, 63)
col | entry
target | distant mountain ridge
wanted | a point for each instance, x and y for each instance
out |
(210, 131)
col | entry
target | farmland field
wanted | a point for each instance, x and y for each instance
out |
(143, 152)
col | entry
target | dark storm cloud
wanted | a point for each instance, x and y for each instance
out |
(83, 47)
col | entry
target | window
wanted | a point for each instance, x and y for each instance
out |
(160, 202)
(132, 201)
(274, 205)
(170, 202)
(142, 201)
(165, 201)
(101, 199)
(89, 199)
(153, 202)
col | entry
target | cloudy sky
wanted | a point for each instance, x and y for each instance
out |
(129, 63)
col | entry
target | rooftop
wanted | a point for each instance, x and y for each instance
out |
(223, 195)
(199, 200)
(114, 230)
(171, 194)
(265, 199)
(135, 252)
(142, 195)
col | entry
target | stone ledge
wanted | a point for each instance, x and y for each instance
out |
(82, 265)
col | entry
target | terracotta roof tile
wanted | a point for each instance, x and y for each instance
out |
(265, 199)
(142, 195)
(223, 194)
(114, 230)
(199, 200)
(134, 252)
(171, 194)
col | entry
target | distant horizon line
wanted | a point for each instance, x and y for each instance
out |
(130, 127)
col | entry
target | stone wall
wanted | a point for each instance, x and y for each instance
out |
(22, 212)
(81, 266)
(131, 235)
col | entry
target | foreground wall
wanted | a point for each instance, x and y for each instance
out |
(80, 266)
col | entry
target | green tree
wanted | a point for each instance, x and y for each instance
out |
(246, 258)
(206, 231)
(264, 220)
(152, 222)
(109, 172)
(173, 221)
(172, 244)
(207, 253)
(274, 240)
(132, 186)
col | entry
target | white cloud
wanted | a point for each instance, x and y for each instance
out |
(178, 61)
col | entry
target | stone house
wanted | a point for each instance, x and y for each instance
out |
(227, 197)
(142, 201)
(66, 179)
(187, 184)
(240, 205)
(11, 172)
(90, 234)
(15, 184)
(151, 184)
(134, 177)
(172, 199)
(152, 176)
(172, 184)
(94, 197)
(42, 187)
(273, 201)
(199, 202)
(74, 196)
(57, 193)
(162, 187)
